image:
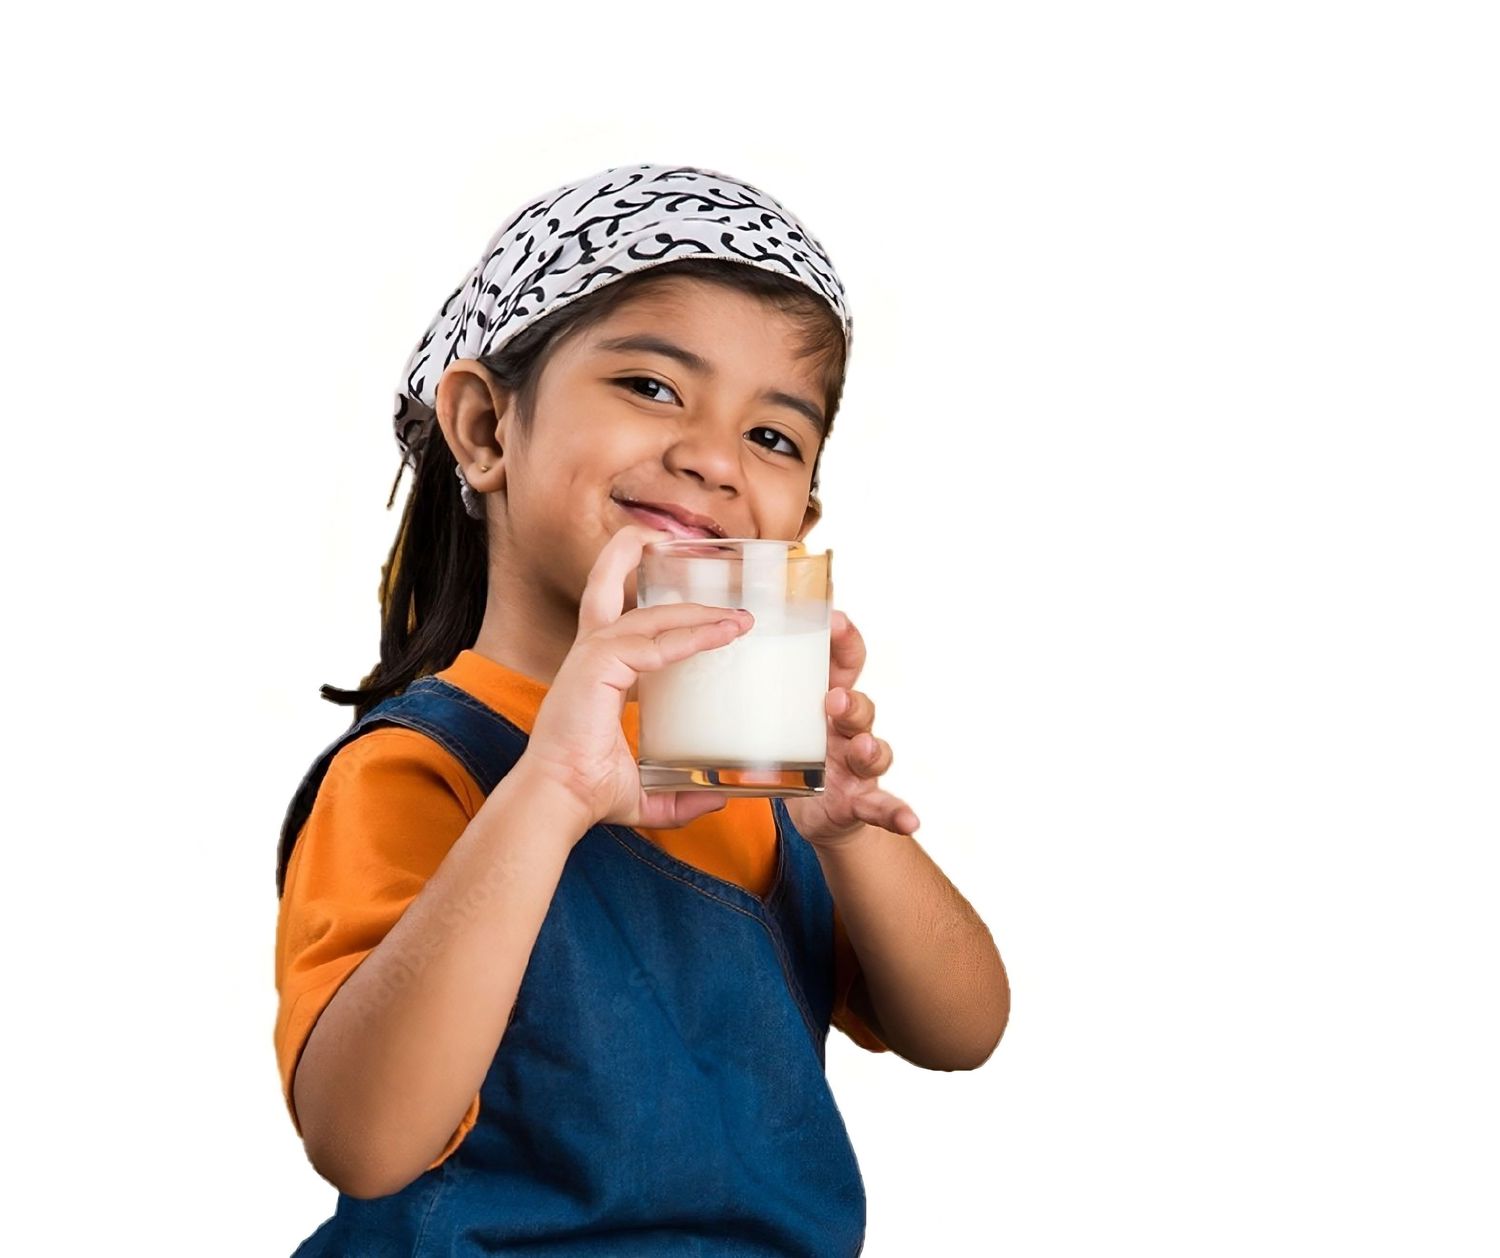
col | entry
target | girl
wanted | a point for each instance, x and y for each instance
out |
(524, 1006)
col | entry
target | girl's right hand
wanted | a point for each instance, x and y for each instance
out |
(577, 738)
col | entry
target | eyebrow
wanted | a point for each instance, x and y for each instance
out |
(647, 344)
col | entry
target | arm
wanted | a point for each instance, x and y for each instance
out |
(932, 984)
(400, 1051)
(390, 1069)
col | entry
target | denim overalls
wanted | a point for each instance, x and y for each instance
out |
(660, 1088)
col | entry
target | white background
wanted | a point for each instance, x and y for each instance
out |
(1164, 491)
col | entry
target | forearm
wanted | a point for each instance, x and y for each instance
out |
(932, 972)
(397, 1056)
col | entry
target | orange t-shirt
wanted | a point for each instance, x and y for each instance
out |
(392, 804)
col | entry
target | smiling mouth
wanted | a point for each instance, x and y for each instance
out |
(663, 520)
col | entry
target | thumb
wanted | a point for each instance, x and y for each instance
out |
(667, 810)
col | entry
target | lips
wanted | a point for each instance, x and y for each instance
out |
(678, 521)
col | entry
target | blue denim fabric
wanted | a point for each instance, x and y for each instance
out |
(660, 1089)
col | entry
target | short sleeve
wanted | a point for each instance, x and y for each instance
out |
(390, 807)
(845, 971)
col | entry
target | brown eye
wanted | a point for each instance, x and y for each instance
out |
(781, 436)
(649, 380)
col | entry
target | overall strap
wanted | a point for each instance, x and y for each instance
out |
(479, 738)
(796, 910)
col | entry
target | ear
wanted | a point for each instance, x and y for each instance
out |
(811, 516)
(475, 413)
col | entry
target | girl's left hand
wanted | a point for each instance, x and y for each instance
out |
(851, 798)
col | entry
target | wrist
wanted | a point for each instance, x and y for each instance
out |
(558, 806)
(847, 843)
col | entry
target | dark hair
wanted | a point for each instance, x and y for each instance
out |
(433, 586)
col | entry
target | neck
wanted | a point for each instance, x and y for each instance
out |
(528, 628)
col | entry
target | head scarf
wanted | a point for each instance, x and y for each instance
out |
(583, 235)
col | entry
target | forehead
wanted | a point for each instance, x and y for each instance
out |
(712, 317)
(682, 293)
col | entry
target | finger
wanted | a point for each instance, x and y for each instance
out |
(604, 593)
(869, 756)
(652, 622)
(881, 808)
(852, 711)
(667, 810)
(846, 646)
(645, 653)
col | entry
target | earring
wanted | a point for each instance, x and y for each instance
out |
(472, 505)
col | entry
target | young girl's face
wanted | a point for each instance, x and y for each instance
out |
(690, 395)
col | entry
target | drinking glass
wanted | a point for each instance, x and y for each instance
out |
(746, 718)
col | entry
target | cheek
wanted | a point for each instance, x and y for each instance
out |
(599, 454)
(592, 459)
(589, 424)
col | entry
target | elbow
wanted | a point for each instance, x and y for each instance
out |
(970, 1057)
(349, 1184)
(362, 1191)
(967, 1042)
(989, 1052)
(970, 1060)
(974, 1059)
(350, 1180)
(1002, 1017)
(359, 1178)
(346, 1154)
(999, 1020)
(353, 1165)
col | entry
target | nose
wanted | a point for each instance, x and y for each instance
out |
(711, 453)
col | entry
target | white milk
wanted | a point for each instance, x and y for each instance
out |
(759, 699)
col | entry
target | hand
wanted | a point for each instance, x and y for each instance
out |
(577, 738)
(851, 798)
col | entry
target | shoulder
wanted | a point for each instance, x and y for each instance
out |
(399, 763)
(390, 806)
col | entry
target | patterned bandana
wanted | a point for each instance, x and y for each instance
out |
(583, 235)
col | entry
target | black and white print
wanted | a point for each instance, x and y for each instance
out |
(583, 235)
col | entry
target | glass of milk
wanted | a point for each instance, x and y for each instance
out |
(746, 718)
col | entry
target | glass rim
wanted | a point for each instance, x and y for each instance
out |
(676, 546)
